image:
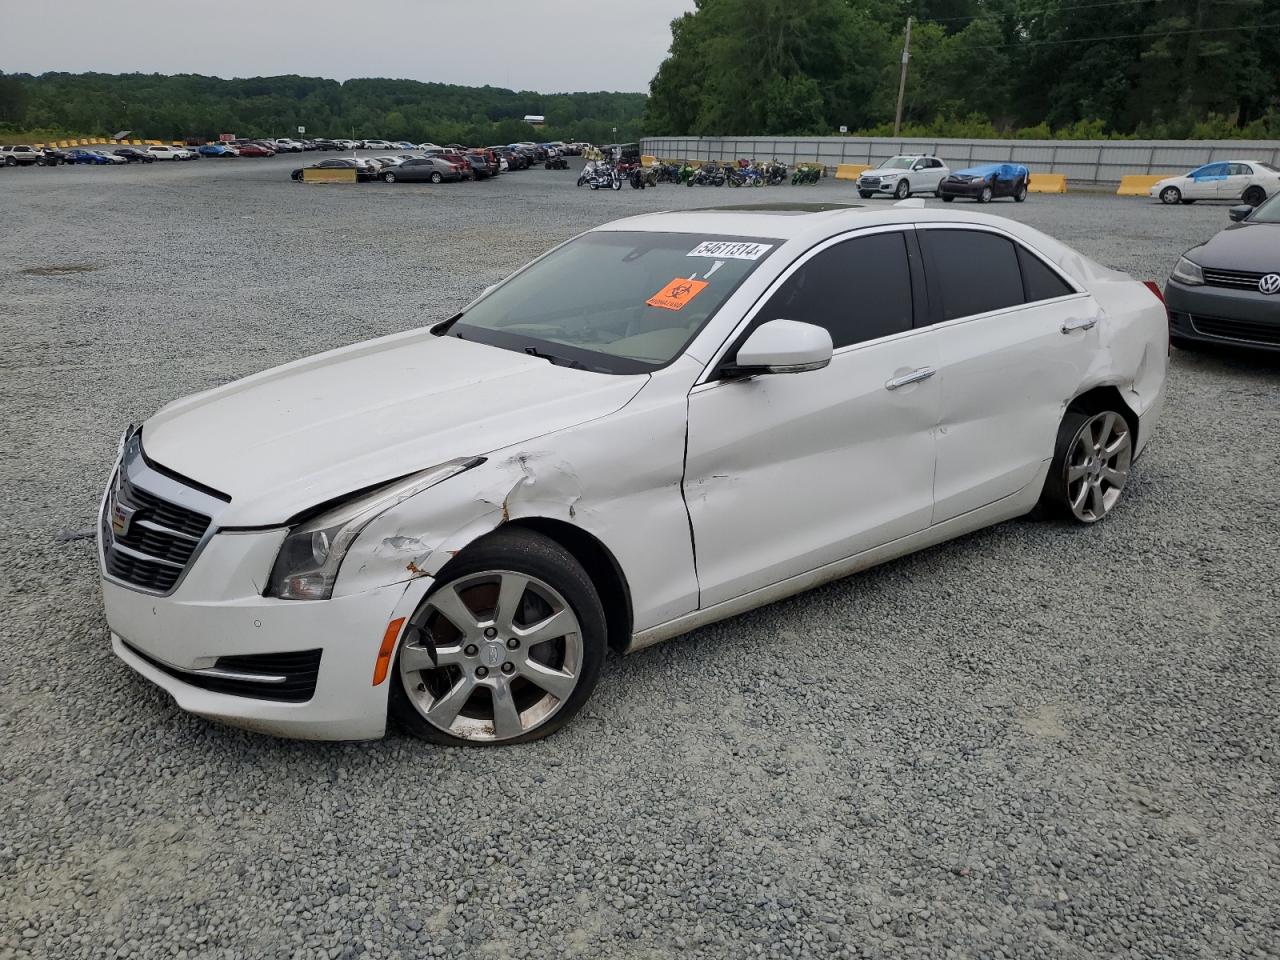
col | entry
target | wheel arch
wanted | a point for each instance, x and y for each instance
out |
(1107, 397)
(601, 566)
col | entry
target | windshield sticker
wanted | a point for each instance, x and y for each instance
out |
(677, 294)
(730, 250)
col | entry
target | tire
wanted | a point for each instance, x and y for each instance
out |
(617, 184)
(1170, 195)
(948, 199)
(437, 178)
(438, 658)
(388, 177)
(296, 176)
(902, 190)
(1090, 468)
(581, 181)
(986, 195)
(10, 162)
(41, 162)
(1021, 195)
(1254, 196)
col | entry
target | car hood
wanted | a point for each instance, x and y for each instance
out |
(1251, 247)
(287, 439)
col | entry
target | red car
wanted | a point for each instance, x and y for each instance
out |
(254, 150)
(458, 160)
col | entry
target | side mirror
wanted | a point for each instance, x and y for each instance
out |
(783, 346)
(1240, 212)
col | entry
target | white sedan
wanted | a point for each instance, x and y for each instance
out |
(661, 423)
(1248, 181)
(163, 152)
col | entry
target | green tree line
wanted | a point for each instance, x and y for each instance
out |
(155, 106)
(1147, 68)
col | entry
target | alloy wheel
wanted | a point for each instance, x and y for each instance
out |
(1097, 467)
(491, 656)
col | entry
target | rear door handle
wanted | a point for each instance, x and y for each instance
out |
(1079, 323)
(915, 376)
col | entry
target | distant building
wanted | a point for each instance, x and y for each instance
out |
(535, 118)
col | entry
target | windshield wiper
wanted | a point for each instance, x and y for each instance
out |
(552, 358)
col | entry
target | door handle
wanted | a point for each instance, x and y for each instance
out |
(1079, 323)
(915, 376)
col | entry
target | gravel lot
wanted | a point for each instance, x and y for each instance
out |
(1033, 742)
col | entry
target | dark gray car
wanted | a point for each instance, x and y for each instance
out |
(1227, 291)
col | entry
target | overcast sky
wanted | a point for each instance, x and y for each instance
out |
(546, 45)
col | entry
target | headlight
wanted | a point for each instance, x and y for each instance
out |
(307, 566)
(1188, 272)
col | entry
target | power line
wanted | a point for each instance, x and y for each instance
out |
(1017, 14)
(1127, 36)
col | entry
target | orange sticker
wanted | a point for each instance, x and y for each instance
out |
(677, 294)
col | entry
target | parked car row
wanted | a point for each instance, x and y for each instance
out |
(435, 165)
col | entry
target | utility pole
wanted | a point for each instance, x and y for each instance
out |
(902, 82)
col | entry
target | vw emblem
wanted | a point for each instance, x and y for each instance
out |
(1270, 283)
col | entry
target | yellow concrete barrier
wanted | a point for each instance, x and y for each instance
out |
(329, 175)
(648, 161)
(851, 171)
(1139, 185)
(1047, 183)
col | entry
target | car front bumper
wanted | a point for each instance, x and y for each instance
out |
(218, 611)
(1222, 315)
(971, 189)
(876, 186)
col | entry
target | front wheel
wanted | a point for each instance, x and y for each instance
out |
(1170, 195)
(505, 649)
(1090, 468)
(581, 181)
(865, 194)
(1021, 195)
(903, 190)
(986, 195)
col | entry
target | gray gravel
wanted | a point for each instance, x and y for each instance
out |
(1033, 742)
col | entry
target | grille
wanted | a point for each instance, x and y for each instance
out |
(1236, 279)
(159, 542)
(1249, 331)
(292, 675)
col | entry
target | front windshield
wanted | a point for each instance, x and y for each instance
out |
(617, 302)
(896, 163)
(1269, 212)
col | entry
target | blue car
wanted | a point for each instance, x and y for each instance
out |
(217, 150)
(87, 156)
(986, 182)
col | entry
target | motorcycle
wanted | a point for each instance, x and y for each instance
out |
(599, 174)
(642, 177)
(556, 161)
(709, 175)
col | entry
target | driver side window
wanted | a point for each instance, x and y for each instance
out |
(858, 290)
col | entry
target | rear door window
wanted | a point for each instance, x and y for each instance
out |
(1039, 282)
(973, 271)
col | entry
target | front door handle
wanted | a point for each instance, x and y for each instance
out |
(1079, 323)
(915, 376)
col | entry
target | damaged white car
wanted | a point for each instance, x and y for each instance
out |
(663, 422)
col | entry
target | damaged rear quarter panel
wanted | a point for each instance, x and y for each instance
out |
(617, 477)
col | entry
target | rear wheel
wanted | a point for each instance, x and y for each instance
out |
(1021, 194)
(1170, 195)
(1090, 465)
(437, 178)
(1254, 196)
(388, 177)
(505, 649)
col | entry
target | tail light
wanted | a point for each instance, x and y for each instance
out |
(1154, 288)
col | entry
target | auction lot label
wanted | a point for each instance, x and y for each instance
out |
(730, 250)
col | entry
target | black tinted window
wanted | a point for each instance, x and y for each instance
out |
(1039, 282)
(974, 271)
(859, 290)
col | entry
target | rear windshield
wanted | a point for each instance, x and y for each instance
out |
(616, 302)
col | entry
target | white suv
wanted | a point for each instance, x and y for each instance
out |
(902, 176)
(21, 156)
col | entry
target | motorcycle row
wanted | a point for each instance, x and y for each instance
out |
(604, 175)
